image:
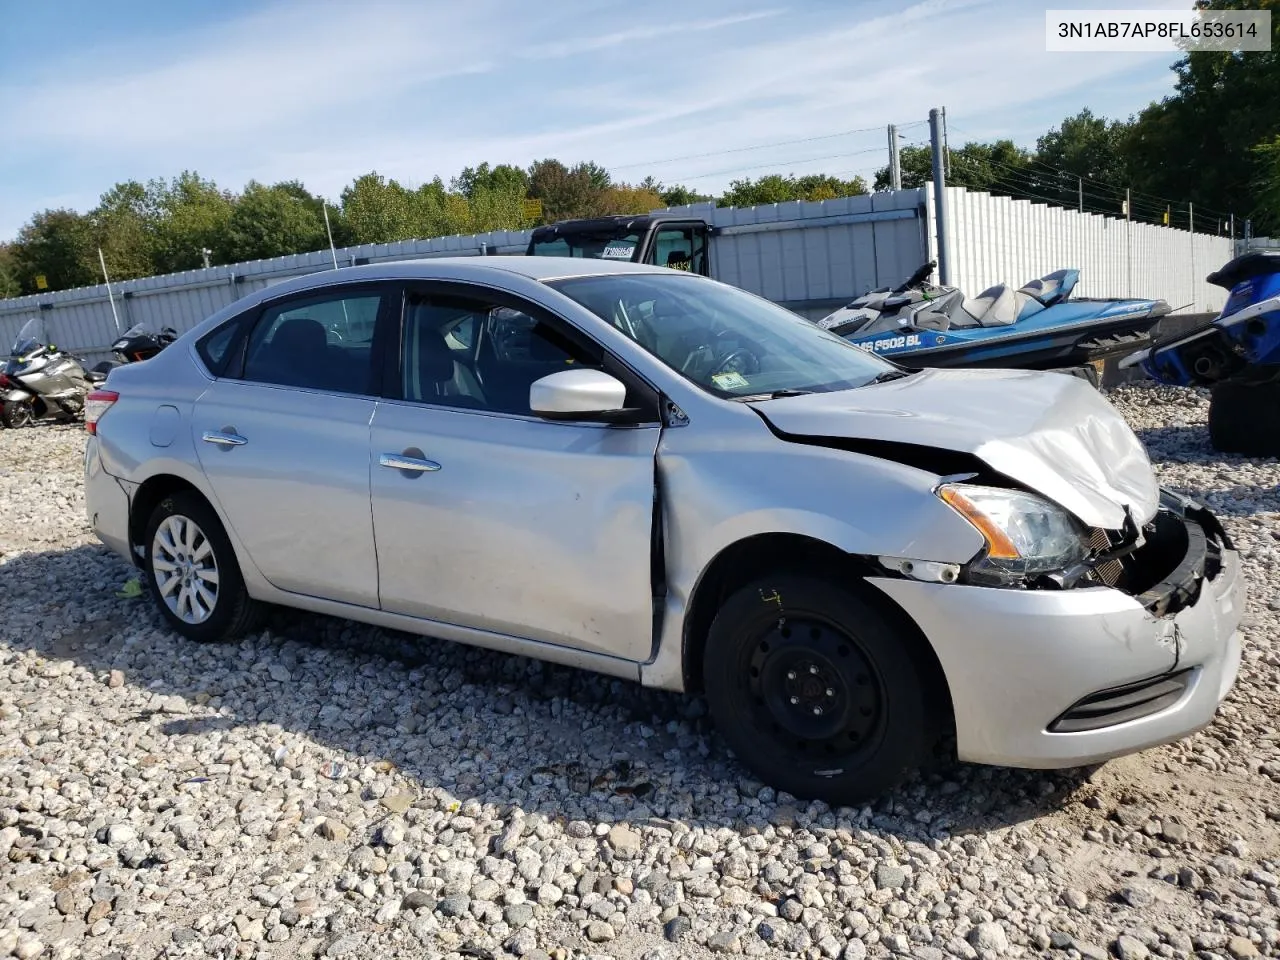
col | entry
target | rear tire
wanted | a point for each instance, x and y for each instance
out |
(16, 413)
(192, 573)
(815, 691)
(1244, 418)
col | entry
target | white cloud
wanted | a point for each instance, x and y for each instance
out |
(325, 92)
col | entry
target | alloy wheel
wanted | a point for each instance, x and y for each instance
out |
(185, 569)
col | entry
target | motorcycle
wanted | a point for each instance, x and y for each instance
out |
(39, 381)
(137, 343)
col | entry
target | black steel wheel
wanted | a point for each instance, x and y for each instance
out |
(815, 690)
(17, 413)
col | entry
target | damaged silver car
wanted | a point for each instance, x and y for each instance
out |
(660, 477)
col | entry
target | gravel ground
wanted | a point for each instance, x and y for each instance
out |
(326, 788)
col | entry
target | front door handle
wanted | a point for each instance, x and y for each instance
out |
(402, 461)
(223, 439)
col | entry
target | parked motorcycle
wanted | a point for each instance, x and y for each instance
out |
(139, 342)
(39, 381)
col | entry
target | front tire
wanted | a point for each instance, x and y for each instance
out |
(192, 572)
(815, 690)
(16, 413)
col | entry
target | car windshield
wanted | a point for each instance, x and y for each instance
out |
(29, 338)
(727, 341)
(597, 245)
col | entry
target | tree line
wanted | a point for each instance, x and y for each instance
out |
(1213, 143)
(184, 223)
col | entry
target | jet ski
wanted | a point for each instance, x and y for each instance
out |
(1038, 326)
(1237, 355)
(1242, 341)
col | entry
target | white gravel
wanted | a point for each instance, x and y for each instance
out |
(329, 789)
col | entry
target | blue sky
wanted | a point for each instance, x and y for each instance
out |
(95, 93)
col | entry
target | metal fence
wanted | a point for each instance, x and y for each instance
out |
(810, 256)
(999, 239)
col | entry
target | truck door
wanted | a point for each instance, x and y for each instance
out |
(681, 246)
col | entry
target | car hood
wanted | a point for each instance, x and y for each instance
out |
(1051, 432)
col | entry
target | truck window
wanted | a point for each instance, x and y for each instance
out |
(681, 248)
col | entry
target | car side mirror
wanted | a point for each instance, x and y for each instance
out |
(581, 394)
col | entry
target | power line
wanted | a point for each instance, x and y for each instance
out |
(1119, 191)
(758, 146)
(779, 163)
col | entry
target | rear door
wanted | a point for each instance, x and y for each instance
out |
(283, 437)
(504, 521)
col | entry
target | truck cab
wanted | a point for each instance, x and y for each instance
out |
(664, 241)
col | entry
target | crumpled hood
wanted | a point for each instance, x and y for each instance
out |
(1052, 432)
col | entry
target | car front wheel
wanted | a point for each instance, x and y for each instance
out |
(815, 690)
(192, 571)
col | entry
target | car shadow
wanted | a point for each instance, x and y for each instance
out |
(589, 746)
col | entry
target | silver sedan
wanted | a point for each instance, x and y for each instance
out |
(660, 477)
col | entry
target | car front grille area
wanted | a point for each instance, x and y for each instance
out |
(1108, 572)
(1122, 704)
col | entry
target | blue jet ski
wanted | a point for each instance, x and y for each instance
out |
(1242, 342)
(1038, 326)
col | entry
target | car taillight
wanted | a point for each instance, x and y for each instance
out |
(95, 405)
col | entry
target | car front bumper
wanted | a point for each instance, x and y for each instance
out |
(1018, 661)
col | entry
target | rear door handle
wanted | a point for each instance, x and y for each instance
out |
(399, 461)
(223, 439)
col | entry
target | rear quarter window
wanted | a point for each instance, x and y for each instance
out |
(216, 348)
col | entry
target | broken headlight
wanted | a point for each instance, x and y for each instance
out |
(1026, 535)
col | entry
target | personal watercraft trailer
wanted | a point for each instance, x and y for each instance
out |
(1038, 326)
(1237, 354)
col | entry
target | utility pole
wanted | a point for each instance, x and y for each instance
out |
(895, 159)
(940, 195)
(205, 252)
(1191, 223)
(1128, 245)
(1080, 192)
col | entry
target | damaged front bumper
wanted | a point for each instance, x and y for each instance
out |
(1060, 678)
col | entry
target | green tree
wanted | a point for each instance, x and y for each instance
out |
(377, 210)
(777, 188)
(999, 167)
(502, 179)
(9, 285)
(567, 193)
(273, 222)
(58, 245)
(1083, 146)
(1198, 144)
(1267, 180)
(191, 215)
(124, 226)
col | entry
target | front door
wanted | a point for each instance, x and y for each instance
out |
(284, 442)
(681, 246)
(489, 517)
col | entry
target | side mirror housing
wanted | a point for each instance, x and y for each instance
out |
(582, 394)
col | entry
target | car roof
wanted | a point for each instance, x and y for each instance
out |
(479, 269)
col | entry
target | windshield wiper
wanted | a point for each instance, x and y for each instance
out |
(775, 395)
(889, 375)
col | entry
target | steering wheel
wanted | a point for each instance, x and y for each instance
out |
(741, 361)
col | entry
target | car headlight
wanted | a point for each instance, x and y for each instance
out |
(1026, 535)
